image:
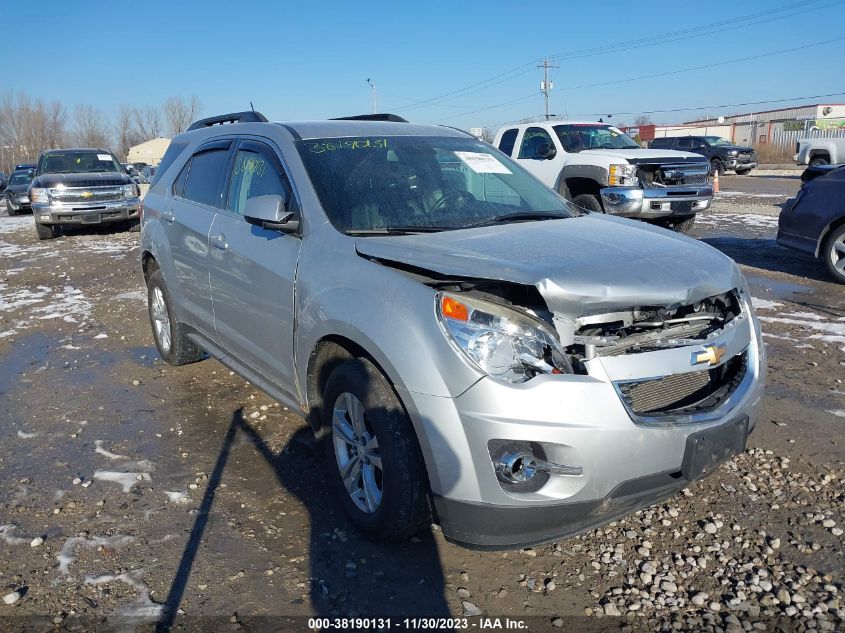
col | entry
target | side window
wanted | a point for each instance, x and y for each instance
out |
(685, 143)
(534, 139)
(179, 183)
(205, 177)
(255, 174)
(507, 141)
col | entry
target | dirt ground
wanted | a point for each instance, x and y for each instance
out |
(134, 492)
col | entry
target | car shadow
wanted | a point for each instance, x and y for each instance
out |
(349, 575)
(767, 254)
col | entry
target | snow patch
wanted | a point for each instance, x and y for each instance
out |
(66, 555)
(177, 497)
(7, 534)
(127, 480)
(26, 436)
(764, 304)
(134, 295)
(142, 607)
(839, 413)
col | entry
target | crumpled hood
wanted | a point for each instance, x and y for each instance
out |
(582, 265)
(647, 155)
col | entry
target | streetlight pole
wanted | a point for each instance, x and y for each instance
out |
(372, 85)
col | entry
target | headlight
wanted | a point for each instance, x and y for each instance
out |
(732, 152)
(130, 191)
(39, 194)
(503, 343)
(622, 175)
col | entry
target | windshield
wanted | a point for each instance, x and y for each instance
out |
(580, 136)
(76, 162)
(435, 183)
(717, 140)
(20, 178)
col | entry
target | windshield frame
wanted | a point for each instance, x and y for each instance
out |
(421, 183)
(115, 165)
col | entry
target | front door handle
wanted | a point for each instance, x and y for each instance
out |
(219, 241)
(168, 217)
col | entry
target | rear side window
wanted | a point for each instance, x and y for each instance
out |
(507, 141)
(662, 143)
(206, 176)
(172, 153)
(685, 143)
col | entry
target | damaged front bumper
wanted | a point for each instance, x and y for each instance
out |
(608, 461)
(95, 213)
(656, 202)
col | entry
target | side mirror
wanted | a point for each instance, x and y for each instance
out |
(546, 151)
(270, 212)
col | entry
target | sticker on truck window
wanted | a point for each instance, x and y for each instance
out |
(482, 163)
(104, 157)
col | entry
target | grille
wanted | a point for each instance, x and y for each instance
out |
(694, 392)
(78, 195)
(685, 174)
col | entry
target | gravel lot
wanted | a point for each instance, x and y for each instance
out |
(134, 491)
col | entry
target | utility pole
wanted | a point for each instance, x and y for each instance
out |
(372, 85)
(546, 85)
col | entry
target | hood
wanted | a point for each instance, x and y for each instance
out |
(18, 188)
(82, 179)
(739, 148)
(635, 156)
(582, 265)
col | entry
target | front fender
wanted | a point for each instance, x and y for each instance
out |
(154, 241)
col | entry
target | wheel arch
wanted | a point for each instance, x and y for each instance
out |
(830, 228)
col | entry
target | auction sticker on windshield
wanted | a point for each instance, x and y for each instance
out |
(482, 163)
(103, 157)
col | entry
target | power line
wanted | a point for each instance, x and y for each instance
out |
(687, 33)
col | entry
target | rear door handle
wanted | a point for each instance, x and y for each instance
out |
(168, 217)
(219, 241)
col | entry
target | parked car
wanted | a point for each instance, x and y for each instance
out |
(4, 181)
(820, 151)
(815, 222)
(147, 174)
(81, 186)
(602, 169)
(722, 153)
(467, 344)
(134, 174)
(17, 192)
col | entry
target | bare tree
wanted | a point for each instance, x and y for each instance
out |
(642, 119)
(126, 135)
(90, 127)
(148, 122)
(180, 113)
(27, 127)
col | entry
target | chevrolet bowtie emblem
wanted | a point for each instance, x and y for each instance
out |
(712, 355)
(87, 194)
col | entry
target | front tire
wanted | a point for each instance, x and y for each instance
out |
(375, 462)
(833, 253)
(172, 342)
(716, 167)
(46, 231)
(589, 202)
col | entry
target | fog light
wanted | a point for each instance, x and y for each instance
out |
(516, 468)
(523, 462)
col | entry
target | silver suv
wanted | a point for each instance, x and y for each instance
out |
(470, 347)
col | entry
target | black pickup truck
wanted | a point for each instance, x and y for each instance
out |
(722, 154)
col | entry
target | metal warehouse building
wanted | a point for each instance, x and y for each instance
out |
(149, 152)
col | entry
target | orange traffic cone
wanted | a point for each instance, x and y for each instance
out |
(716, 182)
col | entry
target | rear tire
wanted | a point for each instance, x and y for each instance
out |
(172, 342)
(589, 202)
(46, 231)
(743, 172)
(819, 161)
(370, 437)
(833, 253)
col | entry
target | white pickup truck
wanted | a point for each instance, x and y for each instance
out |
(820, 151)
(602, 169)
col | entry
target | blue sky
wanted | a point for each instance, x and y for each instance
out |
(300, 60)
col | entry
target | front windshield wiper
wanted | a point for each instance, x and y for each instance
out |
(397, 230)
(519, 217)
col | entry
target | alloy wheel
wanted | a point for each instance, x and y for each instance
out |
(161, 320)
(357, 453)
(837, 255)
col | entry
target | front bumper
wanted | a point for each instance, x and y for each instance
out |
(18, 204)
(634, 202)
(733, 163)
(95, 213)
(580, 421)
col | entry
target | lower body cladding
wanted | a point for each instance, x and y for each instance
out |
(518, 465)
(93, 213)
(657, 202)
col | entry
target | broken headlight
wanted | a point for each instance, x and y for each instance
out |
(505, 344)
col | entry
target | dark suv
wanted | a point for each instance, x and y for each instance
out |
(722, 154)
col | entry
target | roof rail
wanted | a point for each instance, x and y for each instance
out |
(372, 117)
(248, 116)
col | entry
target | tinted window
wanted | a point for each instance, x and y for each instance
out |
(662, 143)
(534, 139)
(507, 141)
(173, 151)
(254, 174)
(179, 183)
(686, 143)
(576, 137)
(205, 177)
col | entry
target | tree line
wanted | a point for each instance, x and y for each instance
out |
(28, 126)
